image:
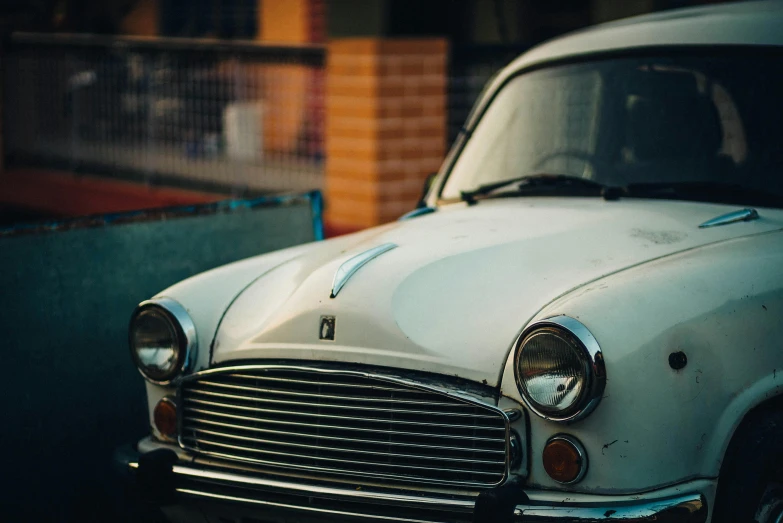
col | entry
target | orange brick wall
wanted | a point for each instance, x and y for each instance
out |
(385, 126)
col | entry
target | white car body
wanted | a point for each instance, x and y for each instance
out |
(464, 282)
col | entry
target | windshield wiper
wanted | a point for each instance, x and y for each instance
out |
(522, 184)
(717, 192)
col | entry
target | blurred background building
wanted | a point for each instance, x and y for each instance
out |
(131, 104)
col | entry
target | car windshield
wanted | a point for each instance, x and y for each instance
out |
(693, 127)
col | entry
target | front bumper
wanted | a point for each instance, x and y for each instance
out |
(186, 489)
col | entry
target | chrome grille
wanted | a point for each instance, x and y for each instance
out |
(343, 423)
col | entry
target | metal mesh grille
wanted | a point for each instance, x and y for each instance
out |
(230, 117)
(343, 424)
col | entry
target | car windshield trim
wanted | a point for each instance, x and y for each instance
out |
(530, 184)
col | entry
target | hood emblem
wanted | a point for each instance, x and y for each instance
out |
(350, 267)
(326, 330)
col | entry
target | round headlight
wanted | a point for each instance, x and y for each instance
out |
(559, 369)
(162, 339)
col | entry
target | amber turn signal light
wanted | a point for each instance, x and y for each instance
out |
(165, 417)
(565, 459)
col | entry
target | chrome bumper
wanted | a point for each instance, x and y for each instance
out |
(212, 491)
(689, 507)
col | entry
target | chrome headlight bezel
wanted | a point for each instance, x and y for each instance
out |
(185, 334)
(582, 341)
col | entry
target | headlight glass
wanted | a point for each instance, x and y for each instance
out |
(156, 344)
(559, 369)
(552, 371)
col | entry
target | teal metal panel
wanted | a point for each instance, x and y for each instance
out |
(70, 392)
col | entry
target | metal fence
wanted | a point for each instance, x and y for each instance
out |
(238, 117)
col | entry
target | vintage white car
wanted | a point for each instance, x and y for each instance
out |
(582, 322)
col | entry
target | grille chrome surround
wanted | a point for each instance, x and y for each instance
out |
(344, 423)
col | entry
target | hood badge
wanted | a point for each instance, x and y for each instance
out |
(350, 267)
(326, 331)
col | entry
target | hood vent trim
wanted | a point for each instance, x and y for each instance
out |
(744, 215)
(350, 267)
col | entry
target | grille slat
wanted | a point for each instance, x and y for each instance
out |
(383, 401)
(346, 418)
(262, 399)
(267, 421)
(341, 461)
(343, 423)
(326, 383)
(322, 448)
(194, 422)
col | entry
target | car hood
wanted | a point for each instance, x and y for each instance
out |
(461, 284)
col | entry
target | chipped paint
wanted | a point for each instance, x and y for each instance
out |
(659, 237)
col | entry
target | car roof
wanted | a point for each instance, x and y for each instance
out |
(740, 23)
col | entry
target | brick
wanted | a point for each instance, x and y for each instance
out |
(393, 188)
(413, 66)
(428, 90)
(348, 189)
(430, 165)
(353, 65)
(390, 123)
(435, 65)
(390, 149)
(338, 129)
(389, 66)
(394, 87)
(351, 212)
(390, 108)
(350, 168)
(357, 148)
(363, 109)
(344, 123)
(390, 134)
(366, 86)
(434, 123)
(412, 109)
(431, 109)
